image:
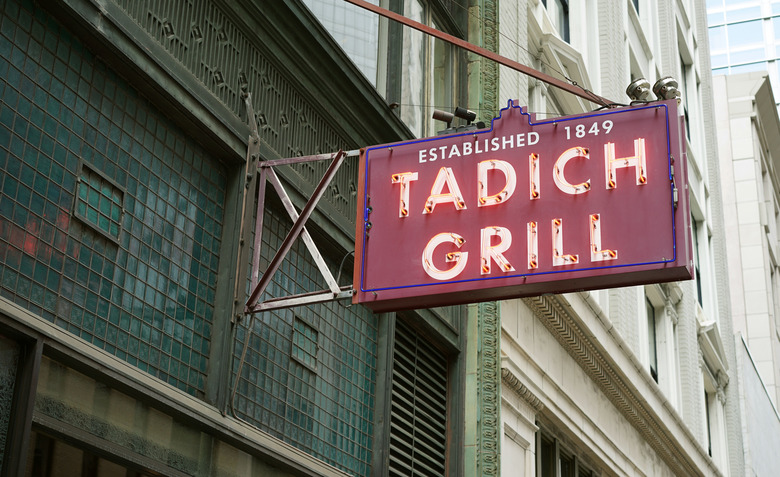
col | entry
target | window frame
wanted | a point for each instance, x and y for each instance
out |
(547, 439)
(559, 17)
(393, 36)
(652, 338)
(84, 219)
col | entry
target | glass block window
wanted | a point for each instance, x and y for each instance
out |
(327, 413)
(304, 343)
(99, 202)
(144, 295)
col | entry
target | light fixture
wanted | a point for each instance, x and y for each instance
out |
(639, 90)
(667, 88)
(462, 113)
(443, 116)
(466, 114)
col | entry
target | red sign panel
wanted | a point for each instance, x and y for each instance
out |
(526, 207)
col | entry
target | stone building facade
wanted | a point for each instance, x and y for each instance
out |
(628, 381)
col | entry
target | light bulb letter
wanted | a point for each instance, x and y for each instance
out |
(638, 161)
(495, 253)
(510, 181)
(533, 174)
(560, 258)
(444, 177)
(533, 246)
(404, 178)
(458, 258)
(560, 165)
(596, 252)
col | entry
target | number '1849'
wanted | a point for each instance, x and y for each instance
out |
(581, 130)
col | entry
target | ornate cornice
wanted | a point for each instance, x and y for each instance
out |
(514, 384)
(603, 372)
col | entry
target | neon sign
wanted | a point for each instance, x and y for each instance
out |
(446, 220)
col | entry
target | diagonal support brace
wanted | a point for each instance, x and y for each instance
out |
(298, 228)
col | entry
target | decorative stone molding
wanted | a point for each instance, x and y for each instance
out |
(512, 382)
(723, 380)
(61, 412)
(490, 68)
(483, 82)
(489, 390)
(613, 384)
(671, 310)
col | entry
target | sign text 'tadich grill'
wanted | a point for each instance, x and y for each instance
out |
(523, 208)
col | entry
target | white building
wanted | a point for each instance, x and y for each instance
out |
(749, 150)
(633, 381)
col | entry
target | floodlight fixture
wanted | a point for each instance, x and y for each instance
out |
(667, 88)
(639, 90)
(444, 116)
(466, 114)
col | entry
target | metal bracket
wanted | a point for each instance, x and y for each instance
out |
(258, 174)
(334, 292)
(259, 284)
(249, 193)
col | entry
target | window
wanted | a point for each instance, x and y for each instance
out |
(355, 30)
(546, 460)
(697, 261)
(775, 284)
(715, 418)
(559, 16)
(741, 13)
(418, 414)
(428, 81)
(685, 94)
(745, 34)
(407, 67)
(99, 202)
(708, 422)
(304, 344)
(651, 339)
(659, 350)
(718, 40)
(554, 459)
(748, 68)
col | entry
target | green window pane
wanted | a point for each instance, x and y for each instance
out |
(116, 212)
(92, 215)
(94, 197)
(105, 206)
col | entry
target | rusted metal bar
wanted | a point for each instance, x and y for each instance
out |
(300, 159)
(305, 236)
(261, 183)
(478, 50)
(302, 300)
